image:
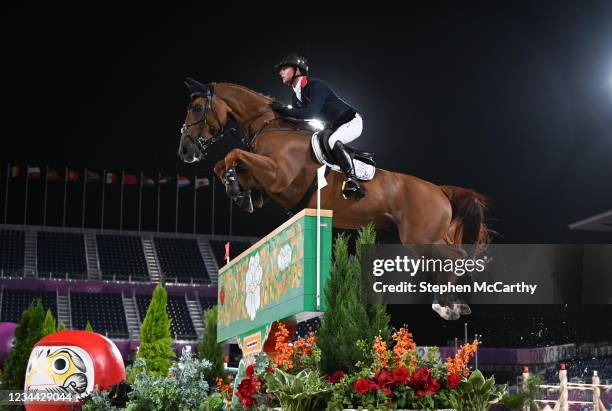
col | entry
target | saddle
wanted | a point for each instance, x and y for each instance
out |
(323, 139)
(365, 167)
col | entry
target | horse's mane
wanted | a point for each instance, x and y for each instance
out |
(290, 122)
(241, 87)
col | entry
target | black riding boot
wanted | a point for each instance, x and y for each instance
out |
(351, 186)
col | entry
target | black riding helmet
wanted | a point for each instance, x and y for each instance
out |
(294, 60)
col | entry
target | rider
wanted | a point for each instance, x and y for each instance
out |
(312, 98)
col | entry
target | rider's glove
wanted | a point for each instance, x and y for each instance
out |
(279, 107)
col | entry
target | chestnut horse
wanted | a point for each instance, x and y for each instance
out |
(280, 163)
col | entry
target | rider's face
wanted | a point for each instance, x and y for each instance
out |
(286, 74)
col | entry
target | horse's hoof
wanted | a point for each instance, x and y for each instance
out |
(233, 189)
(244, 202)
(446, 313)
(464, 309)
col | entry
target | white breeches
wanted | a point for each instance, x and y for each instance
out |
(347, 132)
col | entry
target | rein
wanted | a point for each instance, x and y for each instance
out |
(217, 134)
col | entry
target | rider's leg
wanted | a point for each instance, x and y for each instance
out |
(346, 133)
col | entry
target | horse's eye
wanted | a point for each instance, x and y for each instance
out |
(196, 108)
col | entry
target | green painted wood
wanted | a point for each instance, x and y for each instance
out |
(274, 279)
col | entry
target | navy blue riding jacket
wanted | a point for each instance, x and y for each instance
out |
(319, 101)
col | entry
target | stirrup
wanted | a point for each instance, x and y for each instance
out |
(356, 190)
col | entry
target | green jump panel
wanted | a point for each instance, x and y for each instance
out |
(274, 279)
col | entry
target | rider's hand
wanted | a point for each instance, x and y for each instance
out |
(278, 106)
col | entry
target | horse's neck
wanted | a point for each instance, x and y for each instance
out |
(244, 103)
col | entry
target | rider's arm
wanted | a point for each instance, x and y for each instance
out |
(294, 101)
(313, 108)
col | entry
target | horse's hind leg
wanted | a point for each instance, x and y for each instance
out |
(415, 229)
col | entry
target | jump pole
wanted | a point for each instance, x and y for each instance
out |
(321, 182)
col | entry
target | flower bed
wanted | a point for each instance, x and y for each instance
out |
(392, 377)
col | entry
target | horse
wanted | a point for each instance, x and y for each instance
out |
(279, 163)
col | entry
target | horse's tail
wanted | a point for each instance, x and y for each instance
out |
(468, 222)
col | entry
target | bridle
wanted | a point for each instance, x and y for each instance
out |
(201, 142)
(217, 133)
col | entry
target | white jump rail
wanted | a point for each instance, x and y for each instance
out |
(563, 402)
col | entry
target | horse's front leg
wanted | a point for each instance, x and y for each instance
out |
(228, 177)
(270, 175)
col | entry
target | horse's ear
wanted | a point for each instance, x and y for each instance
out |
(195, 86)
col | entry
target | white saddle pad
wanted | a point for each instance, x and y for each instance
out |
(363, 171)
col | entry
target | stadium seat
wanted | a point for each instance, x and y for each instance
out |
(15, 302)
(180, 260)
(121, 258)
(105, 313)
(11, 253)
(181, 326)
(61, 255)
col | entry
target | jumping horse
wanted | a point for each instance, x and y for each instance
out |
(279, 163)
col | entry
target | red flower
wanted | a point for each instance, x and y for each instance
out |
(400, 375)
(384, 378)
(423, 383)
(250, 371)
(247, 401)
(335, 377)
(362, 386)
(246, 389)
(222, 296)
(452, 380)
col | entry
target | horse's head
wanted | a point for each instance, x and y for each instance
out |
(207, 115)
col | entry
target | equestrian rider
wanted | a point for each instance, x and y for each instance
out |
(312, 98)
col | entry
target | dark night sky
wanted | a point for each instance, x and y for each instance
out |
(511, 99)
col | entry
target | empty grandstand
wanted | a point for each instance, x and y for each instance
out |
(11, 252)
(61, 255)
(15, 302)
(106, 277)
(181, 260)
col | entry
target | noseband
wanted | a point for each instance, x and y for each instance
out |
(201, 142)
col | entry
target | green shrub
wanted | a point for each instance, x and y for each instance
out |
(155, 339)
(304, 391)
(28, 332)
(48, 324)
(184, 389)
(210, 350)
(477, 394)
(347, 319)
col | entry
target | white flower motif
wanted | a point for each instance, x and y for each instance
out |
(254, 275)
(284, 257)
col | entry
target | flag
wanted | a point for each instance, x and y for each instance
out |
(227, 251)
(183, 182)
(15, 171)
(111, 178)
(321, 180)
(164, 180)
(72, 176)
(91, 176)
(130, 179)
(201, 182)
(148, 182)
(53, 175)
(33, 173)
